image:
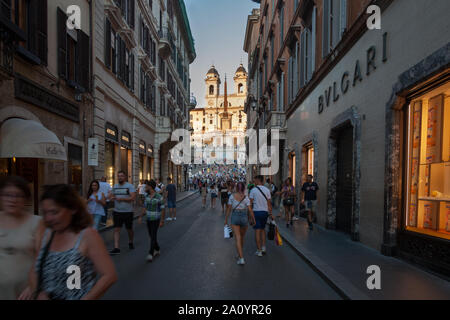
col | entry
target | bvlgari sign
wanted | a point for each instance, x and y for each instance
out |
(33, 93)
(348, 80)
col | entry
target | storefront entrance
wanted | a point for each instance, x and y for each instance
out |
(344, 184)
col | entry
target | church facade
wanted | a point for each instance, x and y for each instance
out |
(222, 121)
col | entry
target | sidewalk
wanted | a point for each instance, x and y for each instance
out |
(180, 197)
(343, 264)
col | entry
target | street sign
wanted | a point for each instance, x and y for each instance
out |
(93, 152)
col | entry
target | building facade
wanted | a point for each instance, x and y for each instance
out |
(46, 104)
(221, 122)
(367, 114)
(143, 50)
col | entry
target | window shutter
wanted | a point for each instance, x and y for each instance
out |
(140, 29)
(83, 70)
(289, 78)
(107, 43)
(326, 28)
(5, 8)
(132, 72)
(62, 43)
(123, 61)
(281, 108)
(148, 92)
(296, 70)
(153, 99)
(335, 26)
(308, 61)
(38, 29)
(131, 9)
(277, 92)
(313, 40)
(118, 56)
(343, 17)
(302, 58)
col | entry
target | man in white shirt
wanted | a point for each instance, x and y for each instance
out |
(105, 188)
(262, 209)
(141, 188)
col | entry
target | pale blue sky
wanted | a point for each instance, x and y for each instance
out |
(218, 27)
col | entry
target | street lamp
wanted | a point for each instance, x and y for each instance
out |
(253, 103)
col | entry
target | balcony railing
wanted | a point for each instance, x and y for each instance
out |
(9, 33)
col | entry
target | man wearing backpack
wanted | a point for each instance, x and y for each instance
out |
(262, 208)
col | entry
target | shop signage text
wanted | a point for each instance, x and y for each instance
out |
(333, 93)
(30, 92)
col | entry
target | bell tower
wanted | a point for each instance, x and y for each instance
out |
(212, 82)
(240, 81)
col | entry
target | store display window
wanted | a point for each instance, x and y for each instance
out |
(428, 181)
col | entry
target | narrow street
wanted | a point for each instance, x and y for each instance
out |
(196, 262)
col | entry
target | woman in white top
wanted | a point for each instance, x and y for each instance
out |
(213, 191)
(18, 231)
(241, 213)
(95, 203)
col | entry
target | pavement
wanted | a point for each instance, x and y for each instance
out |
(197, 263)
(343, 264)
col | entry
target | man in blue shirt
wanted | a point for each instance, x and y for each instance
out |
(123, 194)
(171, 195)
(310, 198)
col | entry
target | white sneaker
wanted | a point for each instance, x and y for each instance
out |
(241, 261)
(157, 253)
(295, 219)
(174, 219)
(169, 219)
(258, 253)
(263, 250)
(149, 258)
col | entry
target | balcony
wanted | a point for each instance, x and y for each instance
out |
(146, 65)
(128, 36)
(162, 86)
(165, 43)
(9, 33)
(276, 120)
(114, 14)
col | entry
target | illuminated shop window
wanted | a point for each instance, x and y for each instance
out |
(292, 168)
(428, 184)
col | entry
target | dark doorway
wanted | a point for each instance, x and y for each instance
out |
(344, 183)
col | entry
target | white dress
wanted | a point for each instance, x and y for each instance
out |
(16, 257)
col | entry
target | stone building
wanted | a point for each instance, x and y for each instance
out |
(223, 118)
(46, 105)
(366, 112)
(143, 50)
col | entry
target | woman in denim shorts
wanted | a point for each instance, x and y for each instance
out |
(241, 214)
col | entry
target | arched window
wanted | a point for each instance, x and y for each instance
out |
(240, 87)
(211, 89)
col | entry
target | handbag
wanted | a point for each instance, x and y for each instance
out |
(271, 233)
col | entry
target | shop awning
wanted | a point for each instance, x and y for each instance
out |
(29, 139)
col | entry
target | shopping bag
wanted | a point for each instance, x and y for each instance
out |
(271, 233)
(227, 232)
(278, 239)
